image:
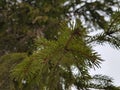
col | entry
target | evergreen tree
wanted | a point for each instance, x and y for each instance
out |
(59, 53)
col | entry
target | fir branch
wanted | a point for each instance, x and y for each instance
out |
(112, 23)
(75, 32)
(90, 57)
